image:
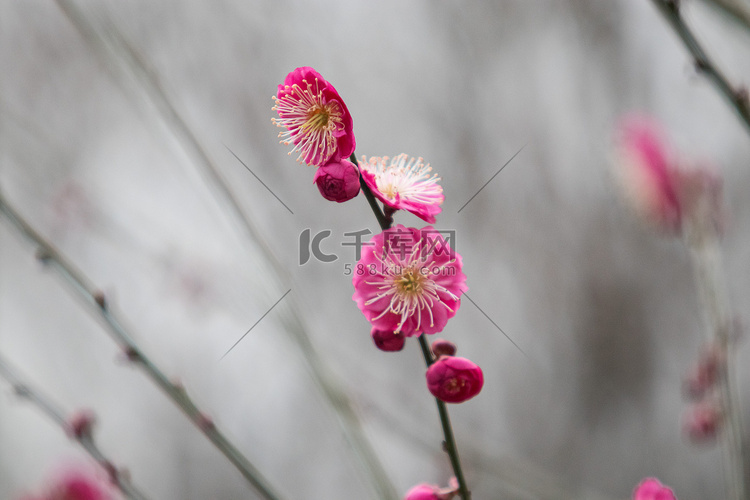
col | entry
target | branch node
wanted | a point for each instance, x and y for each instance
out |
(132, 354)
(80, 425)
(742, 98)
(43, 255)
(21, 391)
(101, 300)
(701, 65)
(112, 472)
(205, 422)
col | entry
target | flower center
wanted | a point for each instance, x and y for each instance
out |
(406, 179)
(312, 123)
(410, 283)
(389, 190)
(317, 118)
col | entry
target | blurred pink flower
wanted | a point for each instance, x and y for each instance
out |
(315, 117)
(454, 380)
(422, 491)
(404, 184)
(651, 489)
(388, 341)
(426, 491)
(705, 373)
(702, 422)
(76, 484)
(409, 280)
(647, 171)
(338, 180)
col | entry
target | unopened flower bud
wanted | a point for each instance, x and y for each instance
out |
(421, 492)
(442, 347)
(83, 484)
(426, 491)
(338, 181)
(702, 422)
(454, 380)
(651, 489)
(388, 341)
(647, 172)
(704, 375)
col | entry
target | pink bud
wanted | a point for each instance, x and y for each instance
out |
(454, 380)
(426, 491)
(338, 180)
(647, 171)
(704, 375)
(388, 341)
(81, 424)
(702, 422)
(79, 485)
(443, 348)
(651, 489)
(422, 492)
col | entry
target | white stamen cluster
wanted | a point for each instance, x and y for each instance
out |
(405, 178)
(409, 283)
(310, 122)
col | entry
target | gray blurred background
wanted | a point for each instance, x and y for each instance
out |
(604, 311)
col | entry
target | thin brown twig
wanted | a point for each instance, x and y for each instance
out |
(84, 439)
(736, 97)
(113, 47)
(385, 220)
(451, 448)
(738, 10)
(703, 242)
(97, 303)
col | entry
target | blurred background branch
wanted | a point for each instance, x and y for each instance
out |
(116, 51)
(736, 96)
(97, 303)
(83, 436)
(738, 10)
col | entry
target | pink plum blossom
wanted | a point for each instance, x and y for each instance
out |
(315, 117)
(454, 380)
(409, 280)
(76, 484)
(426, 491)
(388, 341)
(651, 489)
(404, 184)
(338, 180)
(422, 491)
(647, 169)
